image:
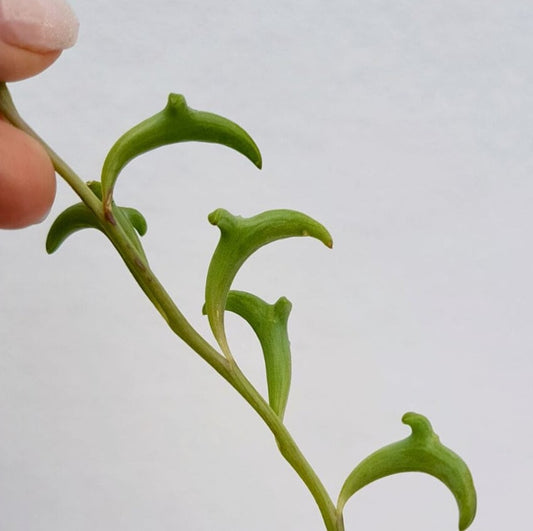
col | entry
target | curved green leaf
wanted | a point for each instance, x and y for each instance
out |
(71, 220)
(269, 322)
(422, 451)
(175, 123)
(239, 238)
(79, 216)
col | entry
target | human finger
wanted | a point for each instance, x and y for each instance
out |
(32, 35)
(27, 179)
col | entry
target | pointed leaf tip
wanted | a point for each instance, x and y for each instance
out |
(422, 451)
(239, 239)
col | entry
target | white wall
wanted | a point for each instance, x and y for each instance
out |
(406, 128)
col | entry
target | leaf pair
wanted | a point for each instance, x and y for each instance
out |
(422, 451)
(239, 239)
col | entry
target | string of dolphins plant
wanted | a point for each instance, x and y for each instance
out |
(240, 237)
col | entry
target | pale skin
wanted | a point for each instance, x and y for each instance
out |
(27, 177)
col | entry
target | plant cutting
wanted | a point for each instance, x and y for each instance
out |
(420, 451)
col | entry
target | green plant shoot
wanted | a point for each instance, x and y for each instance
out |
(239, 239)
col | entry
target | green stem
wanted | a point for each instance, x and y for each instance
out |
(151, 286)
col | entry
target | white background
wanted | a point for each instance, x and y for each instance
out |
(406, 128)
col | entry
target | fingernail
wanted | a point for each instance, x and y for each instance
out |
(38, 25)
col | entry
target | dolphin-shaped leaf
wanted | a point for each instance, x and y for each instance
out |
(269, 322)
(80, 216)
(422, 451)
(239, 238)
(71, 220)
(177, 122)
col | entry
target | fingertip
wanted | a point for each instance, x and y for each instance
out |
(27, 179)
(18, 63)
(38, 25)
(32, 35)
